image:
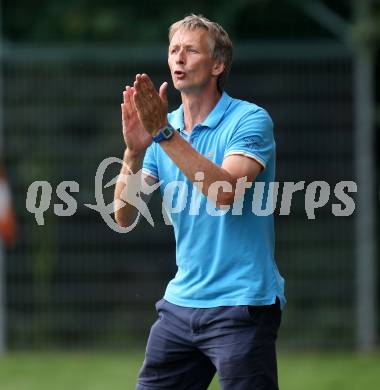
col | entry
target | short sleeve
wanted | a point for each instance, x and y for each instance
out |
(253, 137)
(150, 162)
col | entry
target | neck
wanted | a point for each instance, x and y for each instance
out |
(196, 107)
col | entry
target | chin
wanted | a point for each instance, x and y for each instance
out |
(180, 86)
(187, 88)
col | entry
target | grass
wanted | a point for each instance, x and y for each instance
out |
(101, 371)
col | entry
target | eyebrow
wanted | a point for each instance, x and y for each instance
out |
(176, 45)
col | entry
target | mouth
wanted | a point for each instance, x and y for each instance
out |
(179, 74)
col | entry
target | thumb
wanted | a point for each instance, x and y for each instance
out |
(163, 92)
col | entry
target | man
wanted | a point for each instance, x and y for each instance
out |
(222, 310)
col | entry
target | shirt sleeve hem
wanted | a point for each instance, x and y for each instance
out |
(244, 153)
(149, 173)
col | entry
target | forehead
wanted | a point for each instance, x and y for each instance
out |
(185, 36)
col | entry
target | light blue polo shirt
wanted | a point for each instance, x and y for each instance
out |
(224, 257)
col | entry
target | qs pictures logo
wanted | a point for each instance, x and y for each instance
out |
(263, 198)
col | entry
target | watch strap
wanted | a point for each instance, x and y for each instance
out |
(165, 133)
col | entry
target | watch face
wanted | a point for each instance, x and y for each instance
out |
(167, 132)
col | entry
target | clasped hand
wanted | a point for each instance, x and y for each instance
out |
(144, 112)
(151, 106)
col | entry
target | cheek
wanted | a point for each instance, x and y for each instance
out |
(171, 63)
(200, 66)
(204, 69)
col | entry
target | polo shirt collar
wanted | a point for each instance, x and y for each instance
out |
(213, 118)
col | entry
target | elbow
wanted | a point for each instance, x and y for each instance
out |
(125, 221)
(229, 195)
(124, 218)
(117, 211)
(119, 220)
(225, 199)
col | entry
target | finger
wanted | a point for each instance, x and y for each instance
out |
(130, 100)
(123, 107)
(122, 115)
(131, 105)
(142, 107)
(125, 94)
(127, 88)
(137, 80)
(138, 101)
(148, 95)
(143, 100)
(135, 83)
(127, 106)
(143, 87)
(138, 84)
(148, 85)
(163, 92)
(148, 81)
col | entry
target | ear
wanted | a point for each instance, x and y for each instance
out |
(218, 68)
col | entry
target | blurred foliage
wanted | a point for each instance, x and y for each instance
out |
(144, 21)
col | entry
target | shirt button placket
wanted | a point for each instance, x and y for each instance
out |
(194, 135)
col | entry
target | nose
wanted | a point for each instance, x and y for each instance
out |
(180, 57)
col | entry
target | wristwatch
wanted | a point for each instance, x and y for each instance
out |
(165, 133)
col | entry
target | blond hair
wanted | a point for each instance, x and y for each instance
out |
(220, 43)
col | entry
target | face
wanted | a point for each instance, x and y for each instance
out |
(191, 66)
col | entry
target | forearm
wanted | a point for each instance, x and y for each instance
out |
(125, 213)
(190, 162)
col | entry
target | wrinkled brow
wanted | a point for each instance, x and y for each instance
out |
(186, 46)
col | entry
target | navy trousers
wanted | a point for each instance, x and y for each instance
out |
(186, 346)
